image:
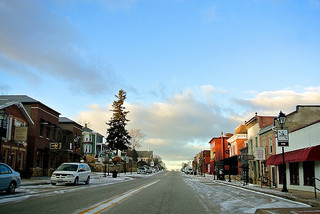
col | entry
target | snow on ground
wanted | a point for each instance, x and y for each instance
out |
(232, 199)
(42, 186)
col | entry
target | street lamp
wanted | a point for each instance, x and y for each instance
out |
(281, 120)
(229, 146)
(4, 123)
(214, 165)
(204, 164)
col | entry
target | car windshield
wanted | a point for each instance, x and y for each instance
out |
(68, 167)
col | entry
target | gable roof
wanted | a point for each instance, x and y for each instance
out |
(23, 99)
(4, 104)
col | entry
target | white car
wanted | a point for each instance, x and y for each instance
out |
(141, 170)
(71, 173)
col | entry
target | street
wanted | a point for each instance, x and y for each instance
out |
(164, 192)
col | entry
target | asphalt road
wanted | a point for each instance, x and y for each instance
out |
(165, 192)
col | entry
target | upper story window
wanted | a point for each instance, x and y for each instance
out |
(4, 126)
(87, 138)
(270, 144)
(48, 132)
(41, 128)
(54, 134)
(18, 123)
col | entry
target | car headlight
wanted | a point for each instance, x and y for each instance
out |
(70, 176)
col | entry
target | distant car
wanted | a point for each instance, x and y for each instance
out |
(9, 179)
(148, 169)
(141, 170)
(71, 173)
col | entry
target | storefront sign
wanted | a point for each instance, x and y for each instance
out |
(20, 133)
(259, 154)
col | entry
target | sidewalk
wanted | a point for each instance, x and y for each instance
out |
(295, 195)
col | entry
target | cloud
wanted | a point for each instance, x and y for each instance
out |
(35, 42)
(210, 14)
(314, 3)
(271, 102)
(176, 128)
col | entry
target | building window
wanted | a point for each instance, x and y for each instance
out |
(21, 160)
(257, 142)
(270, 144)
(41, 129)
(308, 173)
(281, 168)
(48, 132)
(87, 148)
(294, 173)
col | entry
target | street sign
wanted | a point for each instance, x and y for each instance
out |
(283, 137)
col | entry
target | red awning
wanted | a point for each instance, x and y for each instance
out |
(300, 155)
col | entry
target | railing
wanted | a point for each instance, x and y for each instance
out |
(315, 187)
(267, 181)
(237, 178)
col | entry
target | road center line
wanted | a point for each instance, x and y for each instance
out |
(98, 208)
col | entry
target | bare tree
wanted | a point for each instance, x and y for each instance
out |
(137, 137)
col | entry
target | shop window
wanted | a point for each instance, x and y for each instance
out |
(281, 168)
(294, 173)
(308, 173)
(21, 160)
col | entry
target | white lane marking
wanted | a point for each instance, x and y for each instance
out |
(102, 206)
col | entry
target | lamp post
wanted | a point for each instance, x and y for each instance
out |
(204, 164)
(4, 123)
(281, 120)
(229, 146)
(214, 165)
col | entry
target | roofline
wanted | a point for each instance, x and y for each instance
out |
(23, 110)
(310, 124)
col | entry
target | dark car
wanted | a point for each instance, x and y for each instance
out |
(9, 179)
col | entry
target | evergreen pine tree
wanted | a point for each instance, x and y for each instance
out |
(118, 137)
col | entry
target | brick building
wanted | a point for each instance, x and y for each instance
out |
(41, 161)
(15, 122)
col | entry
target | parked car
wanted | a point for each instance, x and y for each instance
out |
(71, 173)
(9, 179)
(141, 170)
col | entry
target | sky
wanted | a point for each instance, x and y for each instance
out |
(191, 69)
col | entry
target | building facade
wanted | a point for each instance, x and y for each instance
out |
(14, 124)
(44, 131)
(254, 125)
(69, 141)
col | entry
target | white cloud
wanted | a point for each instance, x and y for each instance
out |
(176, 128)
(181, 126)
(271, 102)
(210, 14)
(35, 42)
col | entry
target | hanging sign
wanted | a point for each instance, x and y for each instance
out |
(283, 137)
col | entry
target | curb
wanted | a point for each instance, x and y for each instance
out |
(312, 202)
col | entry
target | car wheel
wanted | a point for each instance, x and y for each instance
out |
(76, 181)
(12, 188)
(88, 180)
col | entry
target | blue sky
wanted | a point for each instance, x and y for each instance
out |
(191, 69)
